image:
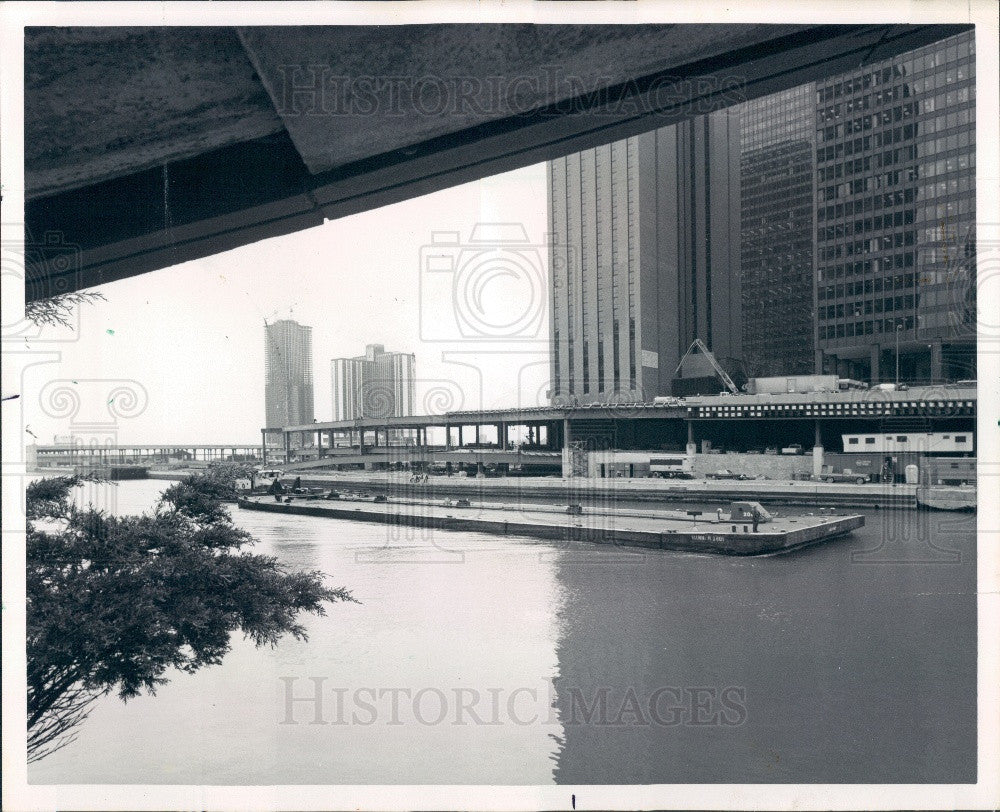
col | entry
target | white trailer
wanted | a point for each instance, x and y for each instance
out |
(961, 442)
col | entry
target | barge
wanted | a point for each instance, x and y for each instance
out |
(688, 531)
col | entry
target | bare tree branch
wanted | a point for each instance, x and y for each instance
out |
(57, 311)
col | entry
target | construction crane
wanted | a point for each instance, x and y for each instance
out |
(698, 344)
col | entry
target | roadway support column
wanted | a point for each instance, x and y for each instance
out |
(876, 357)
(567, 451)
(692, 446)
(817, 449)
(502, 435)
(287, 437)
(937, 371)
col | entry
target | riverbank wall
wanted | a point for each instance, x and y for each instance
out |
(588, 491)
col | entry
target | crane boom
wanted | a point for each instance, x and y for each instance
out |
(698, 344)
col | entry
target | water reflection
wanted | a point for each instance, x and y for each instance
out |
(441, 675)
(836, 671)
(478, 659)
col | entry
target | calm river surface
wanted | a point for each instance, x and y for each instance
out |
(474, 659)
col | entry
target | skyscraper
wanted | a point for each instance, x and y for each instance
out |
(644, 258)
(778, 232)
(376, 384)
(896, 197)
(806, 231)
(288, 390)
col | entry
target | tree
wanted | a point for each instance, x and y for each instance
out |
(58, 310)
(114, 602)
(223, 475)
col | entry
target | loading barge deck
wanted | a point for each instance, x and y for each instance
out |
(662, 530)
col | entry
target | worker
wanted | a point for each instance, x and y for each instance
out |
(276, 490)
(756, 519)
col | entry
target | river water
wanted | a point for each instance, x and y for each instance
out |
(475, 659)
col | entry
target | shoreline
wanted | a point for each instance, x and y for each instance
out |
(595, 491)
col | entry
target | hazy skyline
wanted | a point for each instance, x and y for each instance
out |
(192, 336)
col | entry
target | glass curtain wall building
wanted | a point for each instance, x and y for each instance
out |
(813, 230)
(896, 208)
(778, 232)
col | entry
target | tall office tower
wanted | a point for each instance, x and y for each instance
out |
(895, 219)
(644, 259)
(288, 390)
(778, 232)
(376, 384)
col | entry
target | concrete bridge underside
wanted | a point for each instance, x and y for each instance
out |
(148, 147)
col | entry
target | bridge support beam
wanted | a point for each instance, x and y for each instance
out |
(817, 449)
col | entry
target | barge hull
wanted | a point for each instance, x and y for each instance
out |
(763, 542)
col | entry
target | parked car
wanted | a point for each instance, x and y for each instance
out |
(725, 473)
(793, 449)
(841, 476)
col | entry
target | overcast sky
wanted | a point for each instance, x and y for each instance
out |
(191, 337)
